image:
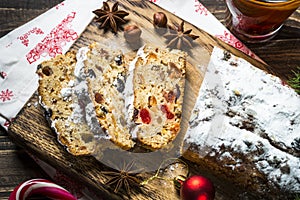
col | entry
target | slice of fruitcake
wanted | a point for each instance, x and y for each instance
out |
(106, 70)
(56, 91)
(159, 80)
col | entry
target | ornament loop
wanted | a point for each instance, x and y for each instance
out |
(156, 175)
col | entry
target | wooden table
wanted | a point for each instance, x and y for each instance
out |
(17, 166)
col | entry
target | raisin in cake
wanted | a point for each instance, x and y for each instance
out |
(245, 128)
(158, 83)
(57, 96)
(106, 72)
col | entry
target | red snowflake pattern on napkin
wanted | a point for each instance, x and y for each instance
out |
(53, 43)
(59, 5)
(200, 8)
(6, 95)
(230, 39)
(25, 37)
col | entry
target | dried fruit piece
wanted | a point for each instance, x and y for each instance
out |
(47, 71)
(99, 98)
(152, 101)
(169, 114)
(170, 96)
(145, 116)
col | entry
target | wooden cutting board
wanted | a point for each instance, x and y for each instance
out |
(31, 131)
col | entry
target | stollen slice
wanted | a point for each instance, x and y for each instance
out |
(106, 72)
(158, 84)
(57, 95)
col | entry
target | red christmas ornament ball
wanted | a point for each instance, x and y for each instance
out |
(197, 188)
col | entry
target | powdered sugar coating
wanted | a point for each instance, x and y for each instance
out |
(244, 109)
(87, 115)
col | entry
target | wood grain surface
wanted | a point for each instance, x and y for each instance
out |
(281, 53)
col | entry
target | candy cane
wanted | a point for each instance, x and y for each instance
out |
(40, 187)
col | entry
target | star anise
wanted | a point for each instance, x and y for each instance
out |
(178, 38)
(123, 177)
(110, 17)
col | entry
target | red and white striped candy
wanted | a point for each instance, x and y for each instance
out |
(40, 187)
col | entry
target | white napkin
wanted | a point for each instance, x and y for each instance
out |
(24, 48)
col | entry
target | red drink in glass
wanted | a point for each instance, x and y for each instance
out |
(259, 20)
